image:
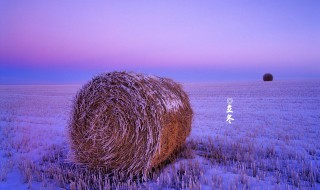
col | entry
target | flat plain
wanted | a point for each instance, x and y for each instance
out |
(272, 143)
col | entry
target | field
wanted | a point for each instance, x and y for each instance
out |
(272, 143)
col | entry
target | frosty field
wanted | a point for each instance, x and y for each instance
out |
(273, 142)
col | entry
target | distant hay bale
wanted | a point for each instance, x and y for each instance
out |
(128, 122)
(267, 77)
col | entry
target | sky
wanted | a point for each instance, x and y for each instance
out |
(48, 42)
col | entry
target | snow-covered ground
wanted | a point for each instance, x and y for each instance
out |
(272, 143)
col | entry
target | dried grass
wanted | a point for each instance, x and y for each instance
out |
(128, 122)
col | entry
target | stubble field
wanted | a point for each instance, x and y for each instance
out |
(272, 143)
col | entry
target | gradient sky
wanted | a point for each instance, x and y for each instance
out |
(69, 41)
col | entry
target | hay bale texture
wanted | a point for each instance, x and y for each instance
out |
(128, 122)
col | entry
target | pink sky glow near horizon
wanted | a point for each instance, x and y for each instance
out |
(162, 34)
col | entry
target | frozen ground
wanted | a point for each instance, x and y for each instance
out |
(273, 142)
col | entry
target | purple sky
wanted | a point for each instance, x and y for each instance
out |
(68, 41)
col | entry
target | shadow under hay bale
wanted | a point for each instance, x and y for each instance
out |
(128, 122)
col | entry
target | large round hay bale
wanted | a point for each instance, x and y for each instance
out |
(128, 122)
(267, 77)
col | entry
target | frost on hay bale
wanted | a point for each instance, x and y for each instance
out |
(267, 77)
(128, 122)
